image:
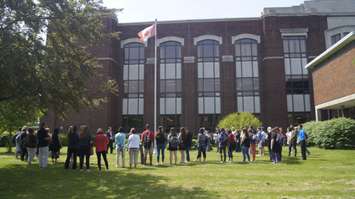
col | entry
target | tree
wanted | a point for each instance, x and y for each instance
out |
(239, 121)
(45, 59)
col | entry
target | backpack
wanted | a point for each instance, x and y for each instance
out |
(174, 142)
(18, 139)
(146, 140)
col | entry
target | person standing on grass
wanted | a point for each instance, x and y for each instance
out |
(238, 148)
(160, 139)
(222, 144)
(253, 141)
(182, 144)
(17, 141)
(23, 136)
(133, 147)
(269, 134)
(31, 144)
(188, 144)
(231, 145)
(147, 138)
(202, 142)
(275, 145)
(111, 137)
(85, 145)
(55, 146)
(261, 139)
(245, 143)
(173, 141)
(43, 140)
(292, 140)
(101, 142)
(120, 139)
(302, 140)
(73, 145)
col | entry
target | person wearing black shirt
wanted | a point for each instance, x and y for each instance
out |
(73, 144)
(111, 138)
(245, 143)
(43, 140)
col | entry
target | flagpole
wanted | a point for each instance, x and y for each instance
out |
(155, 76)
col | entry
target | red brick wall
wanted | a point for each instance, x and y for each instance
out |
(336, 77)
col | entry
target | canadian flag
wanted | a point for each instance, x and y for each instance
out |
(147, 33)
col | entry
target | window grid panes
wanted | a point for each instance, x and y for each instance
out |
(170, 78)
(297, 83)
(247, 76)
(208, 73)
(133, 79)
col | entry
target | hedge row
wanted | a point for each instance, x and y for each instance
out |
(337, 133)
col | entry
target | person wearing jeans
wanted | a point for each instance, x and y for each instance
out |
(245, 143)
(222, 144)
(160, 139)
(133, 147)
(43, 140)
(202, 142)
(120, 139)
(173, 141)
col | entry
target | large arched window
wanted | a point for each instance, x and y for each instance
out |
(170, 78)
(247, 76)
(208, 72)
(133, 79)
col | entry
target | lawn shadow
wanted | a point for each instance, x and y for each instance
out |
(22, 181)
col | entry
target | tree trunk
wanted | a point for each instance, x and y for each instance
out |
(9, 142)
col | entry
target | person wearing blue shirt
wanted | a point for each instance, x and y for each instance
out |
(120, 139)
(302, 138)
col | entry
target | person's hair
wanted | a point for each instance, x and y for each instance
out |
(42, 125)
(99, 130)
(229, 131)
(146, 126)
(160, 130)
(201, 130)
(132, 131)
(245, 131)
(301, 126)
(183, 132)
(75, 129)
(121, 129)
(30, 130)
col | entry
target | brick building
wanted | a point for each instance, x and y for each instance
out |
(209, 68)
(333, 75)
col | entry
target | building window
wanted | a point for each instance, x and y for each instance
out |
(335, 38)
(209, 101)
(170, 78)
(247, 76)
(297, 83)
(133, 79)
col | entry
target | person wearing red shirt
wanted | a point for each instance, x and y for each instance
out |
(231, 145)
(147, 139)
(101, 142)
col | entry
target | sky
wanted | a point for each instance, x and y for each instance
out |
(162, 10)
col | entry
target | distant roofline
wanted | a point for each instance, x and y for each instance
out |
(280, 14)
(331, 51)
(191, 21)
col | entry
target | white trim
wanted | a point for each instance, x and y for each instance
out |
(106, 59)
(336, 101)
(246, 36)
(272, 57)
(337, 30)
(132, 40)
(204, 37)
(171, 38)
(330, 51)
(294, 32)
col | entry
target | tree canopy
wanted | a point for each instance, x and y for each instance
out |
(239, 121)
(45, 61)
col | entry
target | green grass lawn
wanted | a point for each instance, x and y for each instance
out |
(326, 174)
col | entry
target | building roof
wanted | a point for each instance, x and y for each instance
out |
(331, 51)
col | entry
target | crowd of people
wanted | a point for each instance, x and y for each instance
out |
(249, 142)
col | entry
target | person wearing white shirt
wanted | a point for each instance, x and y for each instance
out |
(133, 147)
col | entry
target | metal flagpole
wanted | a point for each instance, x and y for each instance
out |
(155, 76)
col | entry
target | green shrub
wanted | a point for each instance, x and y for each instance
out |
(239, 121)
(337, 133)
(310, 127)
